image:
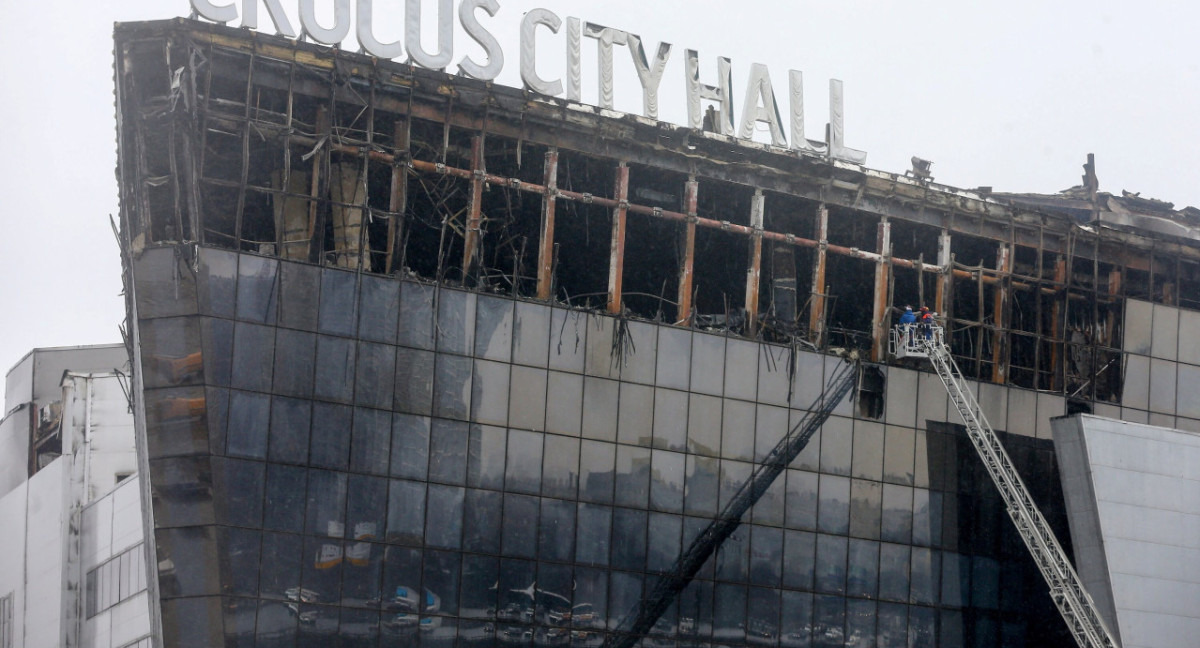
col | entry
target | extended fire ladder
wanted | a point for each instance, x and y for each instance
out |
(647, 611)
(1068, 593)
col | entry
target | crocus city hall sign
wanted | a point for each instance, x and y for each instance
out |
(759, 103)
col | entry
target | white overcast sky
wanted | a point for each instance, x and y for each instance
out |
(1009, 94)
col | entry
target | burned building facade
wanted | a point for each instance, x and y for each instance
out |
(422, 360)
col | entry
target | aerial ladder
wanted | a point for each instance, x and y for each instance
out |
(1068, 593)
(641, 619)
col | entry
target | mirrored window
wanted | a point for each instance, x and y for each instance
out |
(593, 532)
(331, 434)
(379, 308)
(410, 446)
(334, 380)
(523, 471)
(371, 444)
(339, 302)
(481, 521)
(448, 451)
(443, 516)
(862, 577)
(376, 371)
(556, 530)
(414, 381)
(597, 476)
(417, 316)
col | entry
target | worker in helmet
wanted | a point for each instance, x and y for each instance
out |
(908, 320)
(925, 321)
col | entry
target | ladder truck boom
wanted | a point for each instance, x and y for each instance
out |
(1066, 590)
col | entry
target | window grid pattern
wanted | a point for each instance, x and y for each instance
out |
(383, 460)
(118, 579)
(6, 621)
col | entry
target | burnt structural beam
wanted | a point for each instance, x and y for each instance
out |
(945, 262)
(638, 622)
(816, 313)
(616, 261)
(1000, 300)
(545, 270)
(471, 253)
(398, 200)
(1057, 321)
(318, 189)
(691, 194)
(883, 274)
(754, 271)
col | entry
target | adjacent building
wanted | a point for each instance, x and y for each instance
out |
(426, 361)
(72, 567)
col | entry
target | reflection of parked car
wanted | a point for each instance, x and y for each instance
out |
(296, 596)
(407, 598)
(515, 634)
(401, 621)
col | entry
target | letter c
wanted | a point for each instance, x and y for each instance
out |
(214, 13)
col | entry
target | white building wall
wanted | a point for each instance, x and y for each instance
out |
(112, 525)
(44, 557)
(71, 516)
(1133, 500)
(12, 556)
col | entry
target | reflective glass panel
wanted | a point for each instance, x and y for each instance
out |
(520, 531)
(339, 302)
(448, 451)
(334, 379)
(331, 433)
(523, 470)
(414, 381)
(481, 521)
(371, 443)
(410, 446)
(376, 371)
(596, 471)
(443, 519)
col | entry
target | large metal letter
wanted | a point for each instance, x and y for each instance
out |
(491, 46)
(333, 35)
(651, 77)
(250, 16)
(366, 35)
(837, 127)
(605, 37)
(796, 87)
(760, 106)
(211, 11)
(412, 35)
(574, 60)
(529, 75)
(696, 91)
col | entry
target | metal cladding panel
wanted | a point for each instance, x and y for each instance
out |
(1134, 491)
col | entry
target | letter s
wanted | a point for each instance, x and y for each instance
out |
(466, 16)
